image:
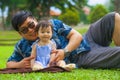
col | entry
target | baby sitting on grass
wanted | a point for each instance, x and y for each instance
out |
(42, 48)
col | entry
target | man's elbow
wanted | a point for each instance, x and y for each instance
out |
(79, 37)
(8, 65)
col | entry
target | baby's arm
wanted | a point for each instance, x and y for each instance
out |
(33, 54)
(53, 55)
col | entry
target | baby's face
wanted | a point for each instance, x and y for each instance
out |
(45, 34)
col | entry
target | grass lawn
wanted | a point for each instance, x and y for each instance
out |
(77, 74)
(5, 52)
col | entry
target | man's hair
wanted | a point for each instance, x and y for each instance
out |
(19, 18)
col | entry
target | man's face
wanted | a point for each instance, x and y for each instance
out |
(27, 29)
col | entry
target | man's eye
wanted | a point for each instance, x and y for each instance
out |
(23, 29)
(31, 25)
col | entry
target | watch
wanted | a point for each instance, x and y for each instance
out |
(66, 52)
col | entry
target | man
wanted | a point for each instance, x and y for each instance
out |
(89, 51)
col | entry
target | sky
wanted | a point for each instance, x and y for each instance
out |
(94, 2)
(5, 12)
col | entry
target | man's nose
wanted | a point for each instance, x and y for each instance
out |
(30, 29)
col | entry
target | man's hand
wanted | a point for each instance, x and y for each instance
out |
(26, 62)
(59, 54)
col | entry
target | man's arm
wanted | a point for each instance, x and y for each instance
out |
(75, 39)
(25, 63)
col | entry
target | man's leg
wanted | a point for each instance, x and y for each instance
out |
(101, 57)
(100, 36)
(101, 31)
(116, 33)
(61, 63)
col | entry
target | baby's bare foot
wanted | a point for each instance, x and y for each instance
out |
(36, 67)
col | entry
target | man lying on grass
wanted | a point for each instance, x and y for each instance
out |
(89, 51)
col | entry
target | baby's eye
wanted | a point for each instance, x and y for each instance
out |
(42, 32)
(48, 32)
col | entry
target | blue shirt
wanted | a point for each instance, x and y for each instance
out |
(60, 32)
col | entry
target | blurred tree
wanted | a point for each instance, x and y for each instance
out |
(16, 5)
(70, 17)
(117, 5)
(97, 12)
(79, 4)
(2, 6)
(39, 7)
(111, 6)
(42, 7)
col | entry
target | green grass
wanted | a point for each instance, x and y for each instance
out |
(5, 52)
(77, 74)
(9, 35)
(82, 30)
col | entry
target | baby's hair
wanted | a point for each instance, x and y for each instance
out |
(43, 24)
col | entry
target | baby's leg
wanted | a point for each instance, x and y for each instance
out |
(61, 63)
(70, 66)
(37, 66)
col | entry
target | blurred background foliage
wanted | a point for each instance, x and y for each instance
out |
(97, 12)
(70, 16)
(72, 12)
